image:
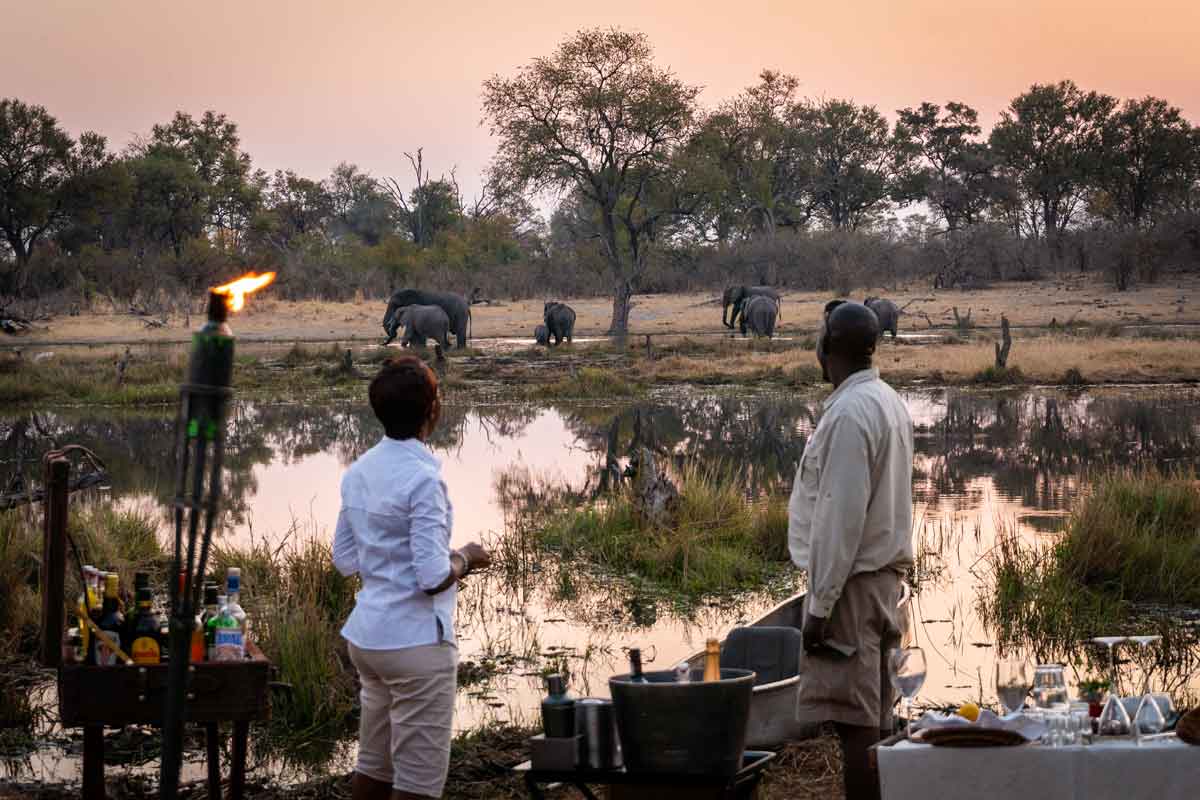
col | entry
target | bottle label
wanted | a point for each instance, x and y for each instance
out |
(106, 656)
(229, 644)
(145, 650)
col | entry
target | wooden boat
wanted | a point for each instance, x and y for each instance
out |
(773, 704)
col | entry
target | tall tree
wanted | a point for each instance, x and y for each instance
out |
(35, 165)
(949, 167)
(361, 206)
(600, 117)
(212, 146)
(854, 160)
(1148, 147)
(1050, 140)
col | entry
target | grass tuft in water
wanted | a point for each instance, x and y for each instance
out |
(718, 541)
(588, 382)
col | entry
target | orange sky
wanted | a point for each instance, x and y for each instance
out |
(312, 83)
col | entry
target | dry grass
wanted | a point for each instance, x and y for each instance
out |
(807, 770)
(1077, 299)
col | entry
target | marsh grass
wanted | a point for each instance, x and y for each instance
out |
(1133, 540)
(298, 602)
(718, 541)
(83, 380)
(587, 382)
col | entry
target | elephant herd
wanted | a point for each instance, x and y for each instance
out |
(433, 315)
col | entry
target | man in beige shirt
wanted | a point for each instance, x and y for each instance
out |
(850, 529)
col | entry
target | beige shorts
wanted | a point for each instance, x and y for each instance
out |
(855, 691)
(407, 710)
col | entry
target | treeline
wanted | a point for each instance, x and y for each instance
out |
(651, 193)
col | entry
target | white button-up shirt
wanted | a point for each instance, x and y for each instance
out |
(394, 530)
(851, 504)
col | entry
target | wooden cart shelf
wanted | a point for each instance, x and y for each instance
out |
(93, 697)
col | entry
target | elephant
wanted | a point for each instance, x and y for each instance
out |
(424, 322)
(759, 316)
(560, 321)
(737, 296)
(456, 307)
(886, 311)
(541, 335)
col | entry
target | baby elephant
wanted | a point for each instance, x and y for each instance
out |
(560, 321)
(759, 315)
(541, 335)
(425, 322)
(887, 313)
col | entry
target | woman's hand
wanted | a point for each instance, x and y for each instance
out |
(477, 558)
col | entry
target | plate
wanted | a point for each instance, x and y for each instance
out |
(969, 736)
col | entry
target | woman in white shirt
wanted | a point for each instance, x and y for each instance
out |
(394, 531)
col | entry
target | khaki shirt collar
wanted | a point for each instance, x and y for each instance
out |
(855, 379)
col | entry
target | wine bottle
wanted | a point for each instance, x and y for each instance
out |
(111, 622)
(635, 666)
(712, 660)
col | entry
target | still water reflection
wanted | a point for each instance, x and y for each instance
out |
(984, 460)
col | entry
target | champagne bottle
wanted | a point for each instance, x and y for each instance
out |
(146, 648)
(635, 666)
(712, 660)
(111, 622)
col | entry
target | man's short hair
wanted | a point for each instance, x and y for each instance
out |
(404, 396)
(852, 330)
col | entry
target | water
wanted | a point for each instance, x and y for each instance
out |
(909, 685)
(986, 462)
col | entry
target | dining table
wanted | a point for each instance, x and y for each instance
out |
(1114, 768)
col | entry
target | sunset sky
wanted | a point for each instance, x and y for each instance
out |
(313, 83)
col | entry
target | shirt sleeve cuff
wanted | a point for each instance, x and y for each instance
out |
(819, 606)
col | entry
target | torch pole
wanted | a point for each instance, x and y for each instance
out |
(199, 447)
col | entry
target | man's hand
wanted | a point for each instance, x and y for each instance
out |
(477, 558)
(814, 633)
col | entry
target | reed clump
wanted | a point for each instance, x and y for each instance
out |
(717, 540)
(298, 602)
(1133, 540)
(588, 382)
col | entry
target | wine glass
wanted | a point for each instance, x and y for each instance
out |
(1110, 642)
(1150, 717)
(1012, 683)
(906, 666)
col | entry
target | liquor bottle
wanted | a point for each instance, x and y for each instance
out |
(712, 660)
(233, 588)
(228, 641)
(635, 666)
(141, 580)
(111, 622)
(88, 598)
(145, 647)
(201, 648)
(210, 629)
(558, 709)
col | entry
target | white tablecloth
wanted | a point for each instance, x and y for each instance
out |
(1166, 769)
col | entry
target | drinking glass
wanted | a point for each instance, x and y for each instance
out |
(1110, 642)
(906, 666)
(1148, 719)
(1050, 687)
(1012, 683)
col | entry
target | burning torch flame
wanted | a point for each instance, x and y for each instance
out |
(247, 284)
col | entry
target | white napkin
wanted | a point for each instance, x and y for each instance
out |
(1017, 722)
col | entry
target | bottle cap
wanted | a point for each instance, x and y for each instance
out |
(233, 580)
(210, 594)
(556, 684)
(712, 644)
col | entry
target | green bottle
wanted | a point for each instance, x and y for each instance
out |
(211, 609)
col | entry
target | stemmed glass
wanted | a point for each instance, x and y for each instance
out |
(1114, 719)
(1150, 717)
(1012, 683)
(906, 666)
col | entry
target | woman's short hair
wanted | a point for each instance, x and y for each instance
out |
(404, 396)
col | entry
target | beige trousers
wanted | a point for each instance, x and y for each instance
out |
(857, 690)
(407, 710)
